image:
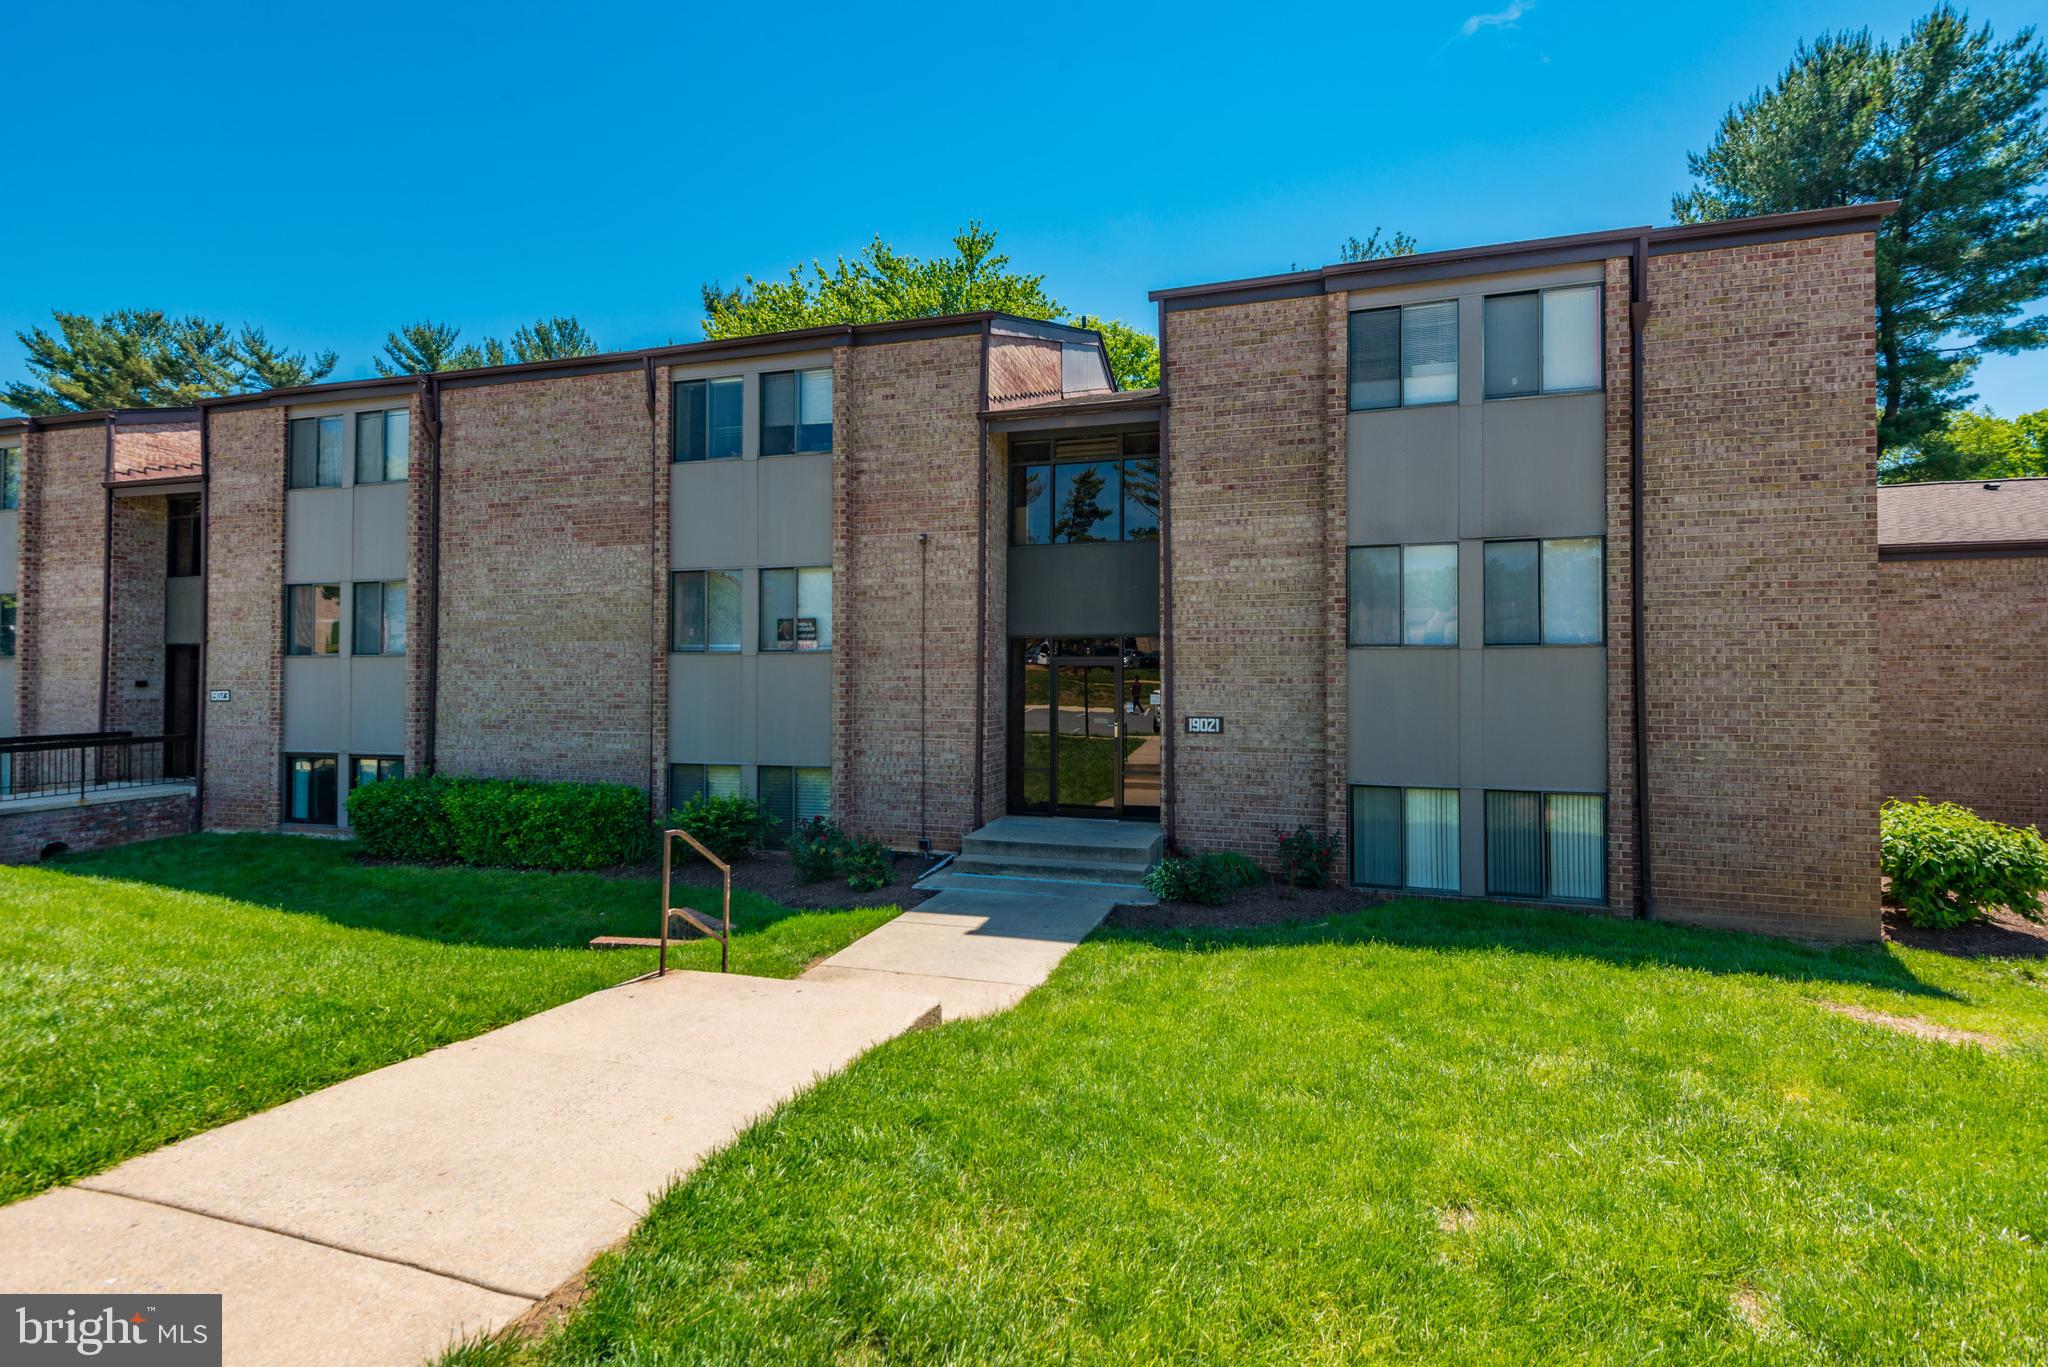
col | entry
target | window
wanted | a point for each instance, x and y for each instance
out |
(1543, 342)
(796, 609)
(686, 781)
(10, 477)
(8, 608)
(704, 610)
(365, 769)
(381, 447)
(796, 412)
(316, 453)
(1072, 502)
(380, 620)
(312, 619)
(1405, 838)
(181, 536)
(1550, 845)
(1544, 592)
(709, 419)
(1404, 595)
(1403, 357)
(309, 789)
(792, 796)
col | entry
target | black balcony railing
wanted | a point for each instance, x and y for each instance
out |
(90, 762)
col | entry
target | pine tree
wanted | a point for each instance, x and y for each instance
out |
(552, 339)
(131, 358)
(259, 365)
(425, 347)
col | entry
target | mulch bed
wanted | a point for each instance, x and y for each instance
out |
(772, 875)
(1269, 905)
(1996, 935)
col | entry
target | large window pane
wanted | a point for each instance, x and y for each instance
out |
(367, 769)
(1375, 595)
(1031, 505)
(1514, 331)
(1376, 358)
(778, 413)
(182, 543)
(369, 448)
(728, 421)
(309, 789)
(1141, 499)
(1577, 832)
(333, 432)
(692, 403)
(313, 625)
(1572, 591)
(796, 609)
(1571, 339)
(1376, 837)
(1084, 499)
(775, 789)
(722, 609)
(1514, 844)
(1429, 353)
(1430, 839)
(397, 444)
(394, 619)
(1429, 595)
(813, 793)
(814, 605)
(302, 469)
(814, 411)
(10, 477)
(8, 611)
(686, 610)
(368, 637)
(1510, 593)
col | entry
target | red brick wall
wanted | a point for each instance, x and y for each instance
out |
(1962, 684)
(547, 608)
(137, 640)
(154, 450)
(245, 617)
(1760, 595)
(1248, 452)
(63, 542)
(1621, 743)
(419, 626)
(91, 826)
(909, 464)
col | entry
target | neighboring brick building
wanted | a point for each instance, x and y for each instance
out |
(1962, 680)
(1363, 563)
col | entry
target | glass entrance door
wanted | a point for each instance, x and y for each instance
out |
(1087, 724)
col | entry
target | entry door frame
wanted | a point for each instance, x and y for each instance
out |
(1020, 653)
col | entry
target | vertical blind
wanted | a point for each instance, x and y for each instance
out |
(1577, 826)
(1430, 835)
(1376, 837)
(1514, 844)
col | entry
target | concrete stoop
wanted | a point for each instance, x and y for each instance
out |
(1078, 857)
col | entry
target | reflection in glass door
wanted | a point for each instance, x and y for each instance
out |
(1088, 736)
(1087, 718)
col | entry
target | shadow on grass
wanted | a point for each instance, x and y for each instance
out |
(1426, 923)
(497, 908)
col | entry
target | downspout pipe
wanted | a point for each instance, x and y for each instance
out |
(107, 580)
(980, 594)
(1168, 748)
(1638, 319)
(432, 404)
(205, 592)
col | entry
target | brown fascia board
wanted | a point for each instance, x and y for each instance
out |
(120, 417)
(1961, 550)
(1529, 253)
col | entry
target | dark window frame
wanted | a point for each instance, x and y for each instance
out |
(383, 587)
(1401, 640)
(10, 624)
(1401, 399)
(10, 478)
(1543, 389)
(291, 617)
(1133, 448)
(1543, 796)
(1539, 542)
(763, 644)
(285, 793)
(675, 645)
(703, 769)
(317, 425)
(1401, 838)
(780, 829)
(182, 532)
(355, 763)
(796, 423)
(382, 417)
(676, 454)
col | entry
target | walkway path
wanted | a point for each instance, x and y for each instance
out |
(383, 1218)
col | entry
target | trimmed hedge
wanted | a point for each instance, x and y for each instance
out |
(502, 822)
(1948, 865)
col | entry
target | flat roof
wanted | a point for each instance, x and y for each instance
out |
(1528, 253)
(1964, 515)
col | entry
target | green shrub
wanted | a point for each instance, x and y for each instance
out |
(816, 848)
(1233, 870)
(1305, 858)
(506, 823)
(1948, 865)
(1186, 880)
(731, 827)
(403, 818)
(865, 864)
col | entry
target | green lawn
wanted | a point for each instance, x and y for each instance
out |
(153, 991)
(1423, 1131)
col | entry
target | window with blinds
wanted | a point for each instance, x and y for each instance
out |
(796, 412)
(1546, 845)
(792, 795)
(1404, 357)
(1405, 838)
(1544, 592)
(686, 781)
(1542, 342)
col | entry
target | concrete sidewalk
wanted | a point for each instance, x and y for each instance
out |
(383, 1218)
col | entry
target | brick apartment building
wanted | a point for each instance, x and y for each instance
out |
(1544, 571)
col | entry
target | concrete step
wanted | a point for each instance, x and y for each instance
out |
(1021, 865)
(1118, 894)
(1065, 839)
(1143, 856)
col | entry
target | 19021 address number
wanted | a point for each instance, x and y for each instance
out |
(1205, 726)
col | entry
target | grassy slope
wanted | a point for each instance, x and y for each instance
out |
(153, 991)
(1427, 1131)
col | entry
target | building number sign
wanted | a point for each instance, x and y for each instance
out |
(1205, 726)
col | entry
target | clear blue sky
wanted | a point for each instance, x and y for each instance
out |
(331, 180)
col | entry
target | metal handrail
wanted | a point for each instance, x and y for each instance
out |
(721, 934)
(37, 767)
